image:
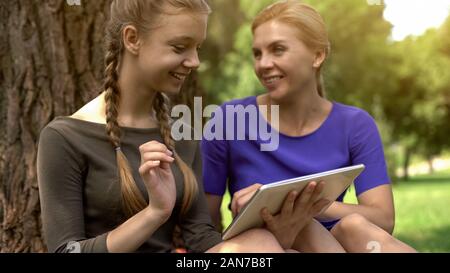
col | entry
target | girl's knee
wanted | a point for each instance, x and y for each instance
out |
(262, 240)
(260, 234)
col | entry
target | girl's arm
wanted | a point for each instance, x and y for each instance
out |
(160, 183)
(135, 231)
(214, 204)
(60, 178)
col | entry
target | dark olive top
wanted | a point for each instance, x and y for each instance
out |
(80, 190)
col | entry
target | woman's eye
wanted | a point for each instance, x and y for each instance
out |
(279, 50)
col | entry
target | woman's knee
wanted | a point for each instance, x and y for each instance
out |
(356, 225)
(350, 224)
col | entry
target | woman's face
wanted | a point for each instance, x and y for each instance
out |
(282, 62)
(170, 52)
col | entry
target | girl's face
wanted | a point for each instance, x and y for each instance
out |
(170, 52)
(282, 62)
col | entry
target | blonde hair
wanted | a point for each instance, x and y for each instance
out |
(142, 14)
(311, 28)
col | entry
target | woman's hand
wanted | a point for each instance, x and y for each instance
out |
(158, 178)
(297, 211)
(240, 198)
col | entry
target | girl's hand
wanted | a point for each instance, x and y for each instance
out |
(158, 178)
(297, 211)
(240, 198)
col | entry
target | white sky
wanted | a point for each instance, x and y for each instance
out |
(415, 16)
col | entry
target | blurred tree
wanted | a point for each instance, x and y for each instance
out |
(418, 105)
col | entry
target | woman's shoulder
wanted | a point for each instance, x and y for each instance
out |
(251, 100)
(350, 113)
(356, 122)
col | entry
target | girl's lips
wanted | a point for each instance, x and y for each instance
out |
(178, 76)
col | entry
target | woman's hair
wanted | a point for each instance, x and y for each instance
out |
(144, 15)
(311, 27)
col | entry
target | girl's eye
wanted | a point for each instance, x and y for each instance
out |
(178, 49)
(256, 55)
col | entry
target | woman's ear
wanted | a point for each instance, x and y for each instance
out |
(319, 58)
(131, 39)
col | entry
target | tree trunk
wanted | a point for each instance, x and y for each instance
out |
(52, 62)
(430, 160)
(406, 163)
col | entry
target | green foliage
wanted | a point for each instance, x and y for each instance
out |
(404, 85)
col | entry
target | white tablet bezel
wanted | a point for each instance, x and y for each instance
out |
(336, 182)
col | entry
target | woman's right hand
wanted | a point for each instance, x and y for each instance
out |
(158, 177)
(297, 211)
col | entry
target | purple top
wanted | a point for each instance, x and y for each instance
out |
(349, 136)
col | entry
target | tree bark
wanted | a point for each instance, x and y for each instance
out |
(51, 59)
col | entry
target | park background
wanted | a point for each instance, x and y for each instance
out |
(51, 59)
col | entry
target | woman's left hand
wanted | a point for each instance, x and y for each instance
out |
(297, 211)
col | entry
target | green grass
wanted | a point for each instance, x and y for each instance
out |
(422, 211)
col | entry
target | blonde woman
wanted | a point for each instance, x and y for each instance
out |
(290, 45)
(111, 178)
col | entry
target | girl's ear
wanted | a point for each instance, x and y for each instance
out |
(319, 58)
(131, 39)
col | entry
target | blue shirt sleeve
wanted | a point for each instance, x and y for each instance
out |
(366, 148)
(215, 164)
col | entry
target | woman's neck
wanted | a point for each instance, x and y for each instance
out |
(301, 114)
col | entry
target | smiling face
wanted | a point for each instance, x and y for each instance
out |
(170, 52)
(282, 62)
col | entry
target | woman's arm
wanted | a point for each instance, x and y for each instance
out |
(375, 201)
(376, 204)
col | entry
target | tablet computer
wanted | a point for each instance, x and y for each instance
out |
(273, 195)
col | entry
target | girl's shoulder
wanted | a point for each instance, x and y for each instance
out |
(93, 111)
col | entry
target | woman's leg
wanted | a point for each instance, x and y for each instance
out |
(357, 234)
(317, 239)
(257, 240)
